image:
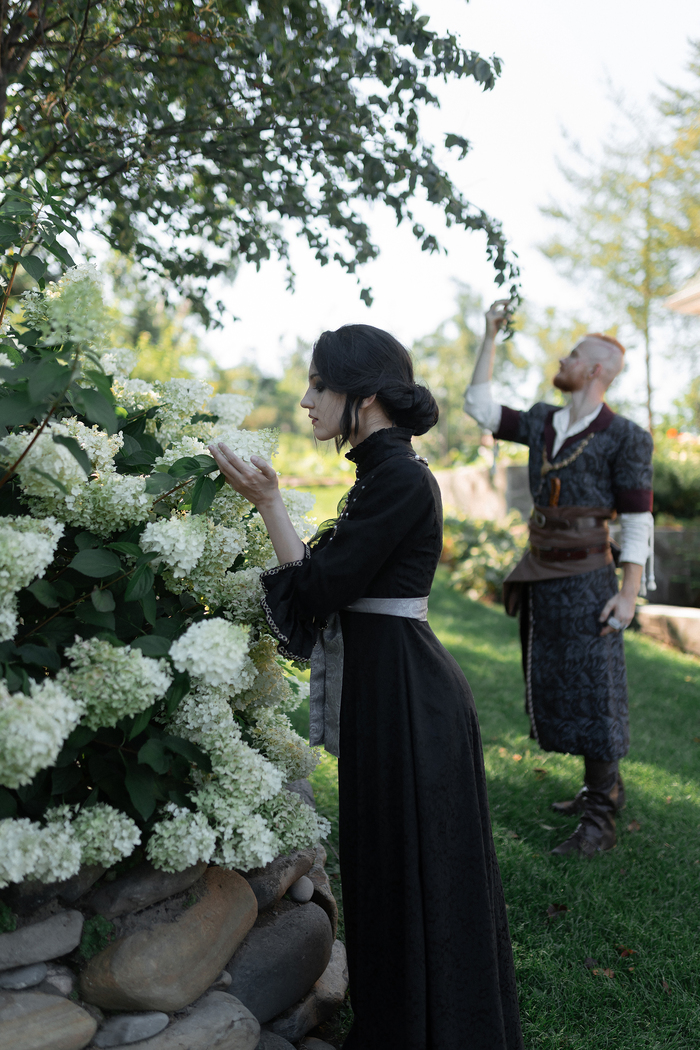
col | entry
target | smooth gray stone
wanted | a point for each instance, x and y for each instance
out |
(269, 884)
(321, 1002)
(302, 890)
(323, 894)
(130, 1028)
(49, 939)
(32, 1021)
(24, 977)
(279, 962)
(222, 982)
(141, 887)
(303, 788)
(24, 897)
(270, 1041)
(58, 981)
(218, 1022)
(311, 1043)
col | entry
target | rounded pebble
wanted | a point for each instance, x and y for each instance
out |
(302, 891)
(23, 977)
(130, 1028)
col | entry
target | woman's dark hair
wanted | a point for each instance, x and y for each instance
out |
(358, 360)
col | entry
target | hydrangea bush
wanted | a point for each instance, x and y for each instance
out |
(142, 701)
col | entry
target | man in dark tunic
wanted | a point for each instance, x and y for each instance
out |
(587, 465)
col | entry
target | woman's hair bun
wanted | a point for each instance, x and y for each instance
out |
(417, 409)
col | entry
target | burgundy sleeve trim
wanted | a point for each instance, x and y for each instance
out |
(509, 427)
(633, 501)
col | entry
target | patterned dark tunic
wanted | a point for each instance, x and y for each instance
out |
(576, 684)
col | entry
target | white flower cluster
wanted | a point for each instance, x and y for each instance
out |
(180, 840)
(247, 443)
(135, 395)
(184, 446)
(277, 740)
(299, 505)
(105, 834)
(27, 547)
(44, 461)
(294, 823)
(240, 594)
(230, 408)
(108, 504)
(33, 729)
(75, 309)
(215, 651)
(33, 310)
(178, 540)
(5, 361)
(110, 682)
(118, 361)
(100, 447)
(180, 400)
(271, 687)
(97, 835)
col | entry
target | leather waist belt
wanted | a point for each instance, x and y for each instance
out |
(570, 554)
(327, 665)
(562, 523)
(411, 608)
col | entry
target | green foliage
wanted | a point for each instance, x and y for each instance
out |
(214, 122)
(8, 919)
(677, 476)
(96, 935)
(480, 554)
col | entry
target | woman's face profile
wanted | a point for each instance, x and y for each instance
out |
(325, 407)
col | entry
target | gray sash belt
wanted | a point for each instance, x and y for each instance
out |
(327, 665)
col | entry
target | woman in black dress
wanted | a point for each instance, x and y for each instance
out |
(429, 952)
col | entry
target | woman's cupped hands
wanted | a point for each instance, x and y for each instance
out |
(257, 480)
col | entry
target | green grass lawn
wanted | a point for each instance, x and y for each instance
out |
(636, 909)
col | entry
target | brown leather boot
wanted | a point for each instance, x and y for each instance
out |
(600, 797)
(577, 805)
(596, 831)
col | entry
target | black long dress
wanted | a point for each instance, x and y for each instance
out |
(429, 952)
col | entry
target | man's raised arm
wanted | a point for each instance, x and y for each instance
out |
(478, 402)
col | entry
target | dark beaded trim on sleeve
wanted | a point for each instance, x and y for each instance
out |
(283, 639)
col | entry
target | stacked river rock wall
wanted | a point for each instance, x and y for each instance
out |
(205, 959)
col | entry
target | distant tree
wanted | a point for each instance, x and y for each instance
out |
(195, 131)
(617, 232)
(680, 159)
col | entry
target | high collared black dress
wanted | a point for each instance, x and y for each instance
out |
(429, 952)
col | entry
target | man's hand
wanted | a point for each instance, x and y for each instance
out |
(496, 317)
(257, 480)
(623, 604)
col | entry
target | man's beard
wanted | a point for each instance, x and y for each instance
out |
(566, 384)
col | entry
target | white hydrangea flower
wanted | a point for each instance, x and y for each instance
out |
(135, 395)
(251, 844)
(215, 651)
(75, 308)
(271, 687)
(20, 849)
(247, 443)
(105, 834)
(240, 593)
(27, 548)
(222, 546)
(180, 400)
(101, 447)
(33, 310)
(119, 361)
(277, 740)
(184, 446)
(5, 361)
(178, 540)
(181, 840)
(230, 408)
(33, 729)
(295, 824)
(260, 552)
(60, 855)
(229, 507)
(110, 503)
(49, 458)
(299, 505)
(111, 682)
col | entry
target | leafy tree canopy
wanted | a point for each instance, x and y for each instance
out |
(193, 128)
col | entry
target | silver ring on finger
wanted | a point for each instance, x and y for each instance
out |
(617, 625)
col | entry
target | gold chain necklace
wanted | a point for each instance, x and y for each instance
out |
(547, 466)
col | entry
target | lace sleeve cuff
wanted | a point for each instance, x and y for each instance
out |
(295, 636)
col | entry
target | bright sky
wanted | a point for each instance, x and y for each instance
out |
(559, 61)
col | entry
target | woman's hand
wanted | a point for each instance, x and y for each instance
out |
(257, 480)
